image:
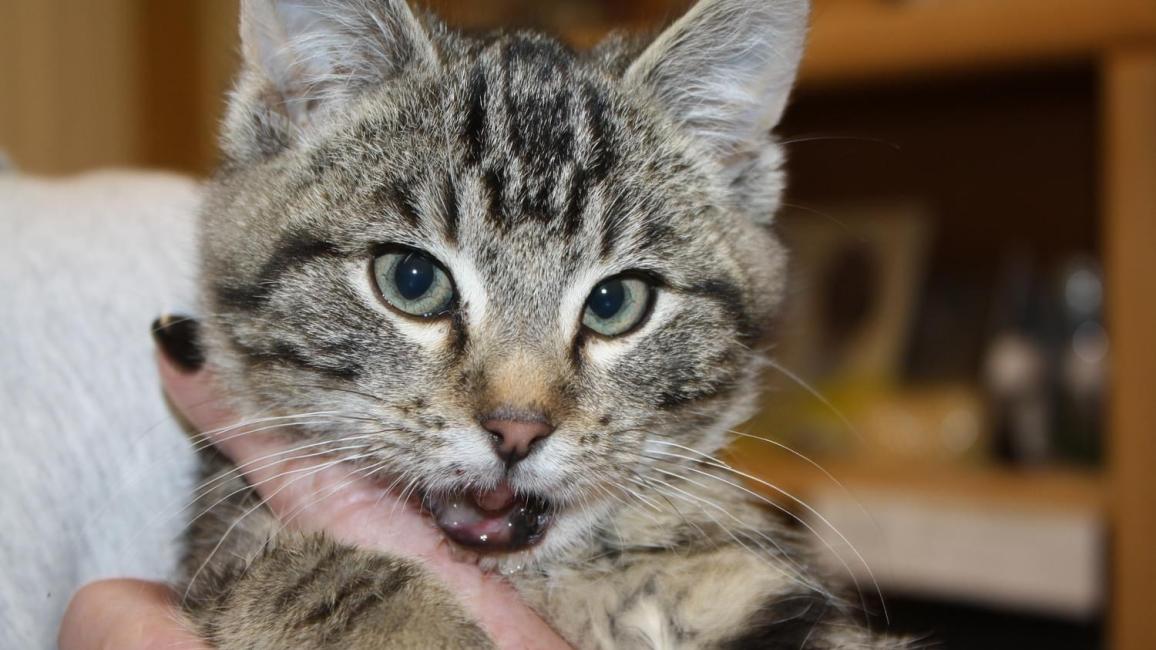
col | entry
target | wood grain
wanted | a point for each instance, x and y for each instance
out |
(1129, 95)
(69, 84)
(857, 41)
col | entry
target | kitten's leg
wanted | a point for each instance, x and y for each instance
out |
(250, 584)
(308, 592)
(727, 598)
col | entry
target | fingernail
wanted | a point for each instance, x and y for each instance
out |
(176, 336)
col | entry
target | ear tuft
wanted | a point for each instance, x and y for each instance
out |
(305, 57)
(725, 70)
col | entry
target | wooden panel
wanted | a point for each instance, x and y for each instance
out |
(219, 54)
(171, 89)
(69, 84)
(1130, 211)
(191, 55)
(1045, 489)
(861, 40)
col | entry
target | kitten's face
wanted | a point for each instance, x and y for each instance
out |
(432, 258)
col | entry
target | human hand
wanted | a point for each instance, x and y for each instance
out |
(135, 615)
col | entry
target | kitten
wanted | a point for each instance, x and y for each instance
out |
(535, 280)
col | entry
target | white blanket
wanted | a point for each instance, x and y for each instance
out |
(93, 470)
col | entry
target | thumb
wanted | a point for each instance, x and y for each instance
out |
(192, 391)
(127, 615)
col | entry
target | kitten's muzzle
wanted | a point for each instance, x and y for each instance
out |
(497, 520)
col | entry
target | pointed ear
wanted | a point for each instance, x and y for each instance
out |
(302, 58)
(725, 70)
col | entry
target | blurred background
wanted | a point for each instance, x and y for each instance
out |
(964, 384)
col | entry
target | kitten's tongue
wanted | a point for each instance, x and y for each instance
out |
(491, 520)
(496, 499)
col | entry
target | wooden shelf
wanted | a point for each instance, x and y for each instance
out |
(866, 40)
(987, 487)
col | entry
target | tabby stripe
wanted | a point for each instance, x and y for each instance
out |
(475, 127)
(291, 253)
(785, 623)
(323, 611)
(282, 352)
(730, 297)
(400, 196)
(460, 337)
(450, 210)
(385, 587)
(611, 225)
(576, 202)
(602, 151)
(305, 581)
(495, 183)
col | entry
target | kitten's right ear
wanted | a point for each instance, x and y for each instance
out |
(725, 69)
(305, 58)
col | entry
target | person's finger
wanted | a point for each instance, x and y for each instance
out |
(194, 395)
(127, 615)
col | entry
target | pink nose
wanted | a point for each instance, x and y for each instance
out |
(513, 439)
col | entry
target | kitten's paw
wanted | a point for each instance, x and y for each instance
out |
(309, 592)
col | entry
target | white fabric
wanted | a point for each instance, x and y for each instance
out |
(93, 470)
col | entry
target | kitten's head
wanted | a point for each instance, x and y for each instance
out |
(509, 274)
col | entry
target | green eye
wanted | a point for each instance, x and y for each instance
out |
(617, 305)
(413, 282)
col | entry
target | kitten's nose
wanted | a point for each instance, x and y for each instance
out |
(514, 438)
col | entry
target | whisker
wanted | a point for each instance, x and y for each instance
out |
(242, 429)
(353, 476)
(803, 522)
(207, 487)
(405, 494)
(795, 571)
(843, 488)
(826, 215)
(816, 394)
(781, 551)
(248, 465)
(837, 138)
(260, 502)
(279, 475)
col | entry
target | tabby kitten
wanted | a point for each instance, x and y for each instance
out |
(535, 279)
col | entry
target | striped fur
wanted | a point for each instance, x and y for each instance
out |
(531, 172)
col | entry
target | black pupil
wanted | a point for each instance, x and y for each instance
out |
(414, 276)
(607, 299)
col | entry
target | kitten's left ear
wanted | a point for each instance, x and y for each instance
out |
(306, 57)
(725, 70)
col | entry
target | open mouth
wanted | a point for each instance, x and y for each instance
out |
(497, 520)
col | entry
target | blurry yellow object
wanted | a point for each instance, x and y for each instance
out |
(942, 423)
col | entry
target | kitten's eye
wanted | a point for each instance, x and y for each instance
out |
(414, 283)
(617, 305)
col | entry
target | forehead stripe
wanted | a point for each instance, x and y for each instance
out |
(474, 132)
(450, 210)
(495, 185)
(576, 202)
(399, 197)
(601, 157)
